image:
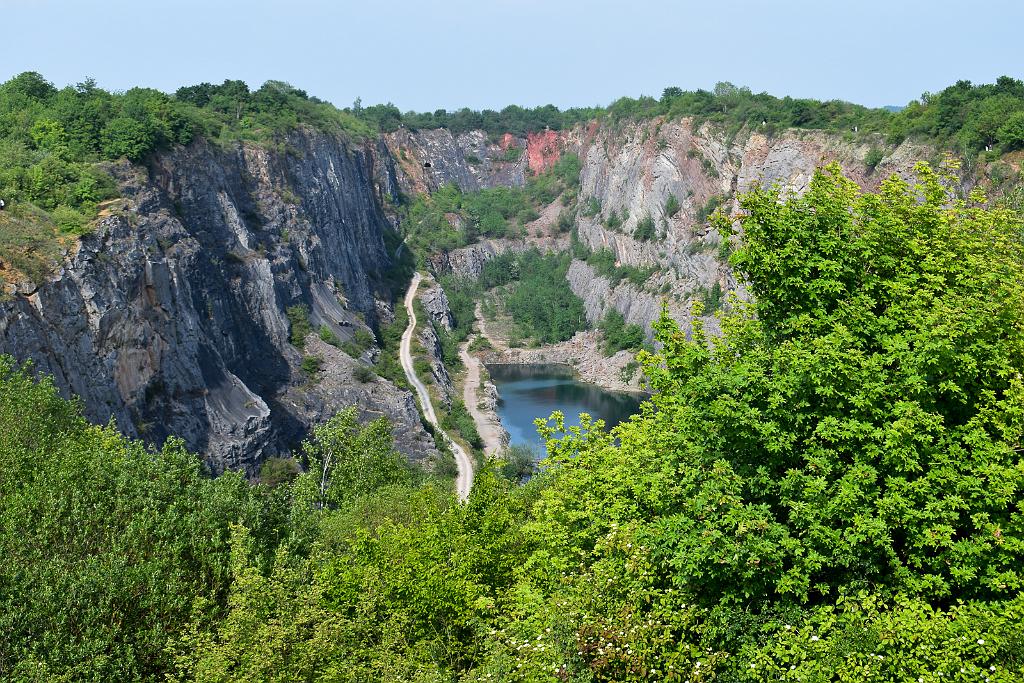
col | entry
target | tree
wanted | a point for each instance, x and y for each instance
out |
(126, 137)
(1010, 134)
(108, 547)
(345, 460)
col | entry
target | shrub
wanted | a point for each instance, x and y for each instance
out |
(672, 206)
(328, 337)
(480, 343)
(512, 154)
(518, 462)
(277, 471)
(592, 207)
(363, 373)
(458, 419)
(613, 222)
(618, 335)
(311, 365)
(873, 158)
(645, 230)
(298, 319)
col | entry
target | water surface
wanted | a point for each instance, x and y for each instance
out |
(527, 392)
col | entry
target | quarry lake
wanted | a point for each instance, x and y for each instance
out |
(527, 392)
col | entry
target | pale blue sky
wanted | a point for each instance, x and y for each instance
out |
(487, 53)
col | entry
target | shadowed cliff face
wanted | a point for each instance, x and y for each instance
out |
(170, 317)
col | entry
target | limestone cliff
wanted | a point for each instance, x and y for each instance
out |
(672, 173)
(170, 317)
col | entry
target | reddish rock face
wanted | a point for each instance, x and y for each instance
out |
(543, 149)
(507, 140)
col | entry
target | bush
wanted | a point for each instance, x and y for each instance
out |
(873, 158)
(480, 343)
(518, 462)
(328, 337)
(619, 336)
(311, 365)
(363, 374)
(298, 319)
(672, 206)
(511, 154)
(711, 298)
(277, 471)
(714, 201)
(458, 419)
(645, 230)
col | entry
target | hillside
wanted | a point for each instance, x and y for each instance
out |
(826, 491)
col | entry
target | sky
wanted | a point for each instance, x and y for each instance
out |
(449, 54)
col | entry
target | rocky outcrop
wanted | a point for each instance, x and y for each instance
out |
(338, 386)
(618, 372)
(671, 175)
(170, 318)
(431, 344)
(435, 303)
(428, 159)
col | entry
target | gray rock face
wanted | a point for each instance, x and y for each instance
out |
(633, 170)
(428, 159)
(170, 318)
(435, 302)
(431, 344)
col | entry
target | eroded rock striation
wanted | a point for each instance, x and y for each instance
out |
(171, 317)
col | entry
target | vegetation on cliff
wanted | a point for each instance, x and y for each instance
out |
(829, 491)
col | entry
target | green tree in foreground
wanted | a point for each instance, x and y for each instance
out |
(856, 432)
(827, 492)
(108, 549)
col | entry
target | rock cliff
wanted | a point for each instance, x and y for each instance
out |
(170, 317)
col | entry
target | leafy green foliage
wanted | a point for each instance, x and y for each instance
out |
(512, 154)
(645, 230)
(592, 207)
(541, 302)
(711, 298)
(828, 491)
(387, 365)
(360, 342)
(457, 418)
(311, 365)
(363, 374)
(618, 335)
(109, 548)
(606, 265)
(328, 337)
(967, 117)
(431, 219)
(346, 460)
(712, 205)
(873, 158)
(299, 327)
(672, 206)
(518, 462)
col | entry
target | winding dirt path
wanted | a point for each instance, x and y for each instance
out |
(464, 479)
(487, 424)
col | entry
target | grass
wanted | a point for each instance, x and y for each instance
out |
(31, 244)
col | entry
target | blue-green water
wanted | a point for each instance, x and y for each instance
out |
(527, 392)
